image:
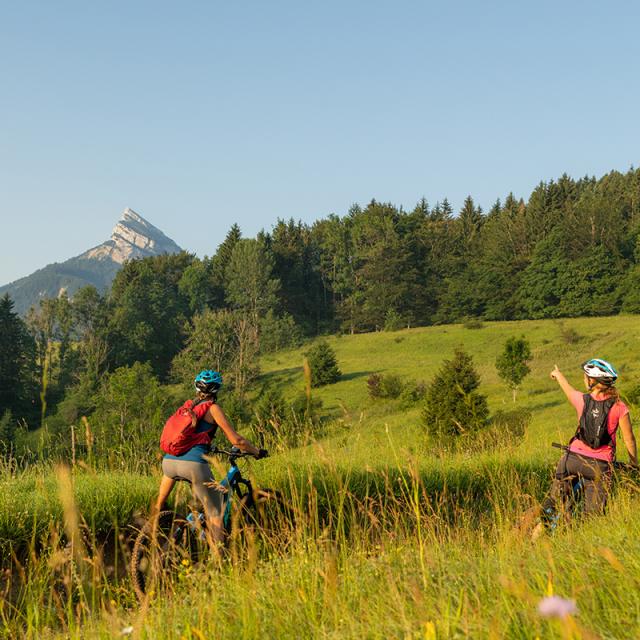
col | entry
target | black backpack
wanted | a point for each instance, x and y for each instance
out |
(592, 429)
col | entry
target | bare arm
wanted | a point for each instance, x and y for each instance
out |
(231, 434)
(629, 438)
(558, 376)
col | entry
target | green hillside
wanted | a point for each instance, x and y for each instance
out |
(394, 538)
(416, 354)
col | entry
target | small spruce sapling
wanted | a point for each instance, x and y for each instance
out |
(452, 404)
(323, 364)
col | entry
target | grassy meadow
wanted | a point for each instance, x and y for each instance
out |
(394, 537)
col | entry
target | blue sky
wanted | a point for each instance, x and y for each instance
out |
(201, 114)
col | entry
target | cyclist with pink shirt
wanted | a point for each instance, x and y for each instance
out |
(592, 449)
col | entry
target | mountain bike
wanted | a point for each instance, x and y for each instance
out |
(170, 543)
(568, 504)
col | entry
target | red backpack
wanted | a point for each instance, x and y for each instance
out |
(179, 433)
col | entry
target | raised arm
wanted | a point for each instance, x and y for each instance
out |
(629, 438)
(232, 435)
(558, 376)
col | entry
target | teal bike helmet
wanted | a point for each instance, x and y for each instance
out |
(600, 370)
(208, 381)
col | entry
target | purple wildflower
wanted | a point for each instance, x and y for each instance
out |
(557, 607)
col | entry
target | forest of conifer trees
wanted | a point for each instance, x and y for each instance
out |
(571, 249)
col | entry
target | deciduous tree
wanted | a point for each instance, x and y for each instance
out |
(513, 363)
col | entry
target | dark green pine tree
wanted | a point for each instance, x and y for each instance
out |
(495, 210)
(16, 361)
(506, 251)
(630, 291)
(67, 355)
(385, 273)
(90, 318)
(540, 290)
(416, 307)
(218, 267)
(436, 239)
(421, 210)
(296, 266)
(471, 220)
(447, 209)
(332, 237)
(203, 280)
(323, 364)
(453, 405)
(459, 293)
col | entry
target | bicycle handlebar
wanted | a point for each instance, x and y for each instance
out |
(235, 453)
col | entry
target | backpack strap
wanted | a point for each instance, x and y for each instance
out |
(586, 397)
(197, 402)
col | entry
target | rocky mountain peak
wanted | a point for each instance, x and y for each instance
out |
(132, 237)
(130, 214)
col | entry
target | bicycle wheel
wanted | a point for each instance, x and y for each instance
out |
(165, 546)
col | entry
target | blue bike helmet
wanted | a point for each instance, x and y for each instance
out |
(208, 381)
(600, 370)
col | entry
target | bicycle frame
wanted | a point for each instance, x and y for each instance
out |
(233, 482)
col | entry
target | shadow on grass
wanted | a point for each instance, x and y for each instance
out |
(291, 373)
(547, 405)
(288, 372)
(355, 374)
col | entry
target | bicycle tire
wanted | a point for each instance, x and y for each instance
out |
(163, 546)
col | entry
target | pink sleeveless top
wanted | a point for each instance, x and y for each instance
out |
(617, 411)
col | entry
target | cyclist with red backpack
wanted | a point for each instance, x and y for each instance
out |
(186, 440)
(591, 451)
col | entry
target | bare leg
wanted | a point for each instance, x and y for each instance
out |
(217, 530)
(166, 486)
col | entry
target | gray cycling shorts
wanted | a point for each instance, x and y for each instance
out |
(197, 474)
